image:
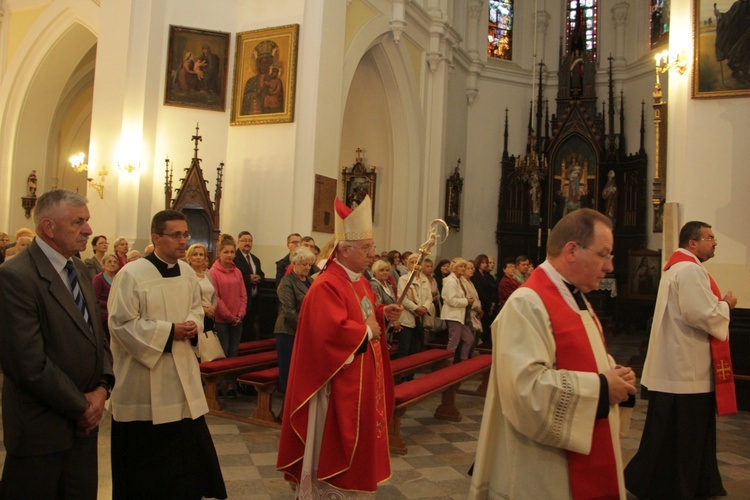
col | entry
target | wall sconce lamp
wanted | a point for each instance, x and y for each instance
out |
(76, 161)
(129, 167)
(666, 61)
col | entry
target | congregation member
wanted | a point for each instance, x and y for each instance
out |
(550, 427)
(292, 242)
(4, 241)
(95, 264)
(430, 320)
(492, 278)
(121, 250)
(486, 293)
(231, 302)
(197, 257)
(252, 275)
(309, 242)
(508, 283)
(457, 306)
(523, 266)
(161, 445)
(133, 255)
(102, 284)
(417, 305)
(397, 269)
(22, 243)
(688, 375)
(442, 271)
(291, 293)
(24, 232)
(56, 362)
(334, 433)
(148, 250)
(477, 313)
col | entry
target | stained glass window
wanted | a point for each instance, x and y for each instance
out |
(500, 30)
(590, 13)
(659, 23)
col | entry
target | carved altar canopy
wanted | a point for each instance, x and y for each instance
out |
(193, 199)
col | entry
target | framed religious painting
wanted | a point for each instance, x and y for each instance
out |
(644, 272)
(721, 41)
(197, 65)
(358, 183)
(265, 74)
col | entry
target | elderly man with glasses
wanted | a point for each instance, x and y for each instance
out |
(334, 434)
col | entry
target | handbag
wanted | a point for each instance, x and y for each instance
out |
(209, 347)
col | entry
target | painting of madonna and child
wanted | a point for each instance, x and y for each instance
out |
(197, 62)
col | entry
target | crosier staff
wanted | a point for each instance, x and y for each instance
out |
(437, 234)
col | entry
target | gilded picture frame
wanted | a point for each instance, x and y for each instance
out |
(265, 74)
(197, 68)
(721, 43)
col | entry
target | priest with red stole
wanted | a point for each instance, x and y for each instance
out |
(339, 399)
(688, 372)
(550, 427)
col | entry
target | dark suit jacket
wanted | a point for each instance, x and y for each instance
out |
(49, 355)
(246, 270)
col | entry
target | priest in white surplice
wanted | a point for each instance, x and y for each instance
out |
(550, 427)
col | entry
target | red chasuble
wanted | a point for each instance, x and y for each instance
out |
(354, 452)
(593, 475)
(721, 358)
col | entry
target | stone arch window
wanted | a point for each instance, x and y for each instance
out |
(500, 30)
(583, 31)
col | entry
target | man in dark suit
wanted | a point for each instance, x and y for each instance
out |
(292, 242)
(55, 358)
(252, 274)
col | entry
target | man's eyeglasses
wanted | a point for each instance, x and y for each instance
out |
(366, 249)
(610, 256)
(711, 239)
(177, 236)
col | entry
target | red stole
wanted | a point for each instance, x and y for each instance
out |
(593, 475)
(726, 399)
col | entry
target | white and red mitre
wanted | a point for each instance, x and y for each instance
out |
(353, 225)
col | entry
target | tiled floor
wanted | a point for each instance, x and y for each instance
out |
(439, 454)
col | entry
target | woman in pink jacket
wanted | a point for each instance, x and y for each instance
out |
(231, 301)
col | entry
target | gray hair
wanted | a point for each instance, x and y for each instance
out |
(300, 255)
(110, 256)
(51, 201)
(381, 264)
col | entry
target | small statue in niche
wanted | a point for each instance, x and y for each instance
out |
(535, 193)
(609, 193)
(31, 184)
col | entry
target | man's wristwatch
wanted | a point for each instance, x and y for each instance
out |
(107, 387)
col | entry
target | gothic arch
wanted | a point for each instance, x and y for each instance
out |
(49, 69)
(373, 46)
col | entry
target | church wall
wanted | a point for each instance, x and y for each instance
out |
(707, 161)
(368, 125)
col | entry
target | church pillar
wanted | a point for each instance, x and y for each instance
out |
(476, 8)
(620, 17)
(435, 108)
(118, 121)
(542, 23)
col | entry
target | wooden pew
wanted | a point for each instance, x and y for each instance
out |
(445, 381)
(266, 381)
(254, 346)
(214, 372)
